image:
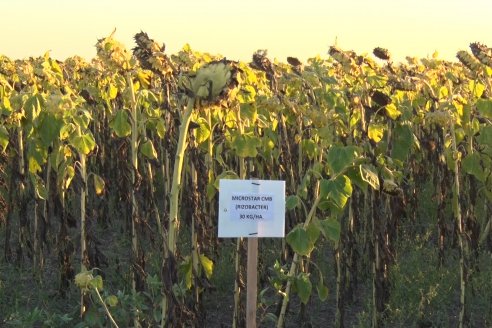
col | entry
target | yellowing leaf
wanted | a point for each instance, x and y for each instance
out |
(392, 111)
(84, 143)
(207, 264)
(375, 132)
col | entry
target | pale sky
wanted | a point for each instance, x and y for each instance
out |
(235, 29)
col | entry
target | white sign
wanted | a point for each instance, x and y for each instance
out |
(251, 208)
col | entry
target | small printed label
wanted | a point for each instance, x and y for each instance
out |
(249, 206)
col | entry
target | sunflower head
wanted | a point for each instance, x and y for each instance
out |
(468, 60)
(381, 53)
(211, 83)
(482, 53)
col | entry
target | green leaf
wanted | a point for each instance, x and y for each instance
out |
(369, 175)
(292, 202)
(208, 265)
(402, 142)
(111, 300)
(120, 124)
(376, 131)
(330, 228)
(49, 128)
(337, 191)
(84, 143)
(484, 107)
(313, 232)
(148, 150)
(485, 137)
(299, 241)
(340, 157)
(99, 184)
(304, 287)
(245, 146)
(472, 165)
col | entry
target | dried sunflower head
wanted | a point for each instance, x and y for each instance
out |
(339, 55)
(482, 53)
(113, 53)
(468, 60)
(381, 53)
(151, 55)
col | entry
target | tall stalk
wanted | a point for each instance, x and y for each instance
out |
(22, 236)
(238, 314)
(83, 235)
(170, 246)
(134, 170)
(295, 262)
(463, 317)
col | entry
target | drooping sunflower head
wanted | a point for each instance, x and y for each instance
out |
(381, 53)
(151, 55)
(113, 53)
(482, 53)
(212, 83)
(468, 60)
(339, 55)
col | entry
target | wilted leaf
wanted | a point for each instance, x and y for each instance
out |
(369, 175)
(39, 187)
